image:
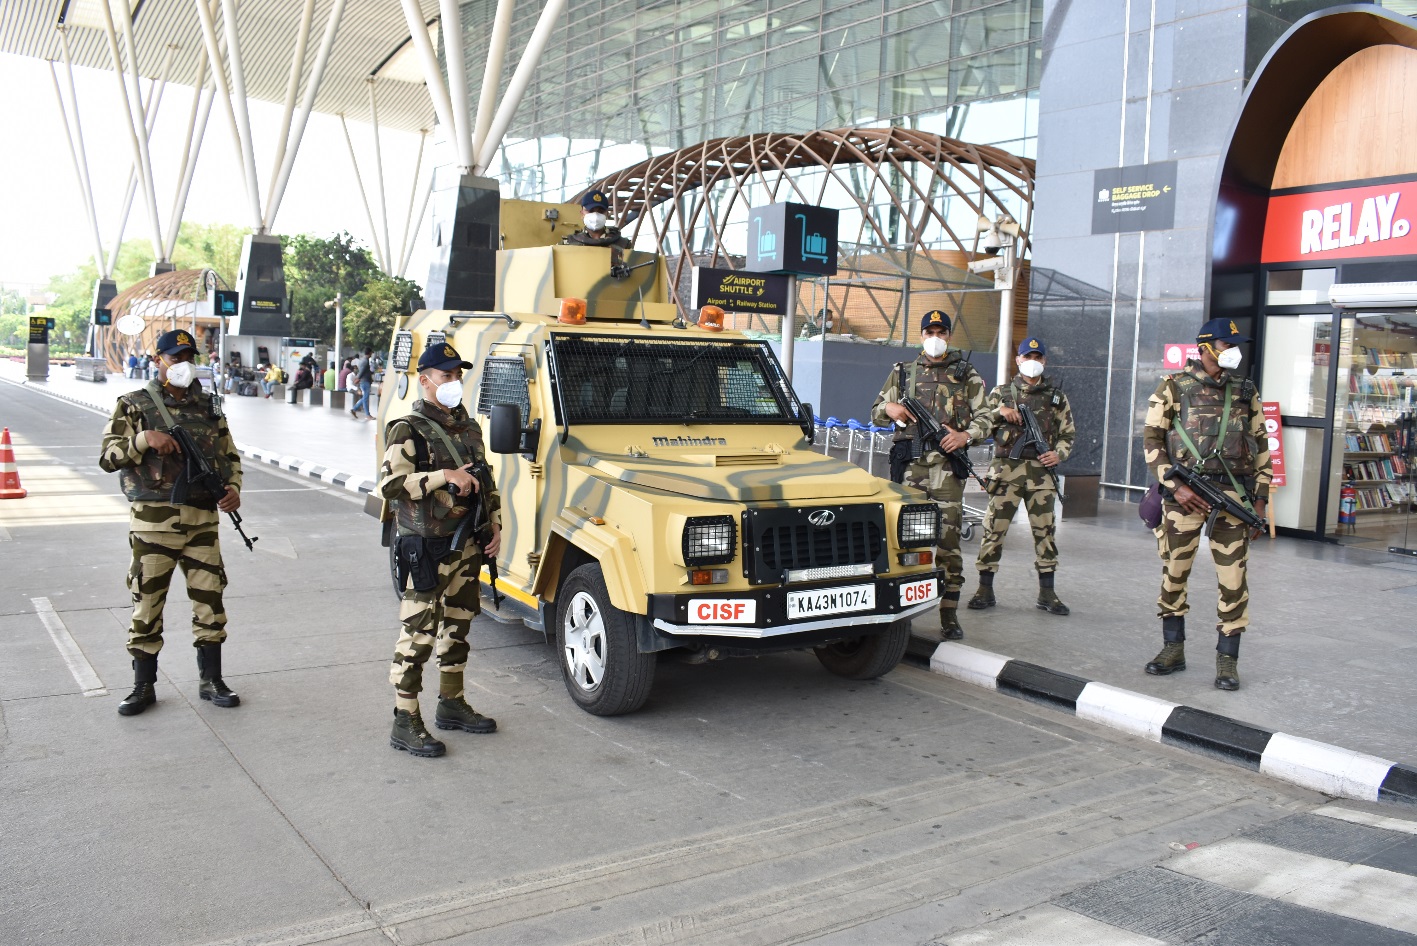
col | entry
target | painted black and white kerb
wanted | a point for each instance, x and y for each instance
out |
(1315, 765)
(306, 468)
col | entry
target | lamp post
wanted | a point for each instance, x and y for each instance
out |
(1000, 241)
(337, 303)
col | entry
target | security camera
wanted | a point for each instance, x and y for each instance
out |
(991, 242)
(981, 266)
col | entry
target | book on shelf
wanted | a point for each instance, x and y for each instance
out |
(1368, 443)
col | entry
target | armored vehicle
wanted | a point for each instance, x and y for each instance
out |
(660, 490)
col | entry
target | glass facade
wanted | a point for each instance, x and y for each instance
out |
(624, 80)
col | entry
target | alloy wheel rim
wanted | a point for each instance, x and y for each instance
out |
(585, 642)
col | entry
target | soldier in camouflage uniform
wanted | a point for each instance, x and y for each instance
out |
(425, 478)
(1209, 420)
(1025, 480)
(949, 386)
(162, 535)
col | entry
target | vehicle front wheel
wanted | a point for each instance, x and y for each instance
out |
(605, 672)
(867, 657)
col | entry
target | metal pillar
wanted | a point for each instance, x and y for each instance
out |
(317, 74)
(432, 73)
(531, 58)
(457, 80)
(492, 73)
(363, 197)
(379, 175)
(292, 85)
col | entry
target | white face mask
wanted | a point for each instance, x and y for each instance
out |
(449, 394)
(180, 375)
(1030, 368)
(595, 221)
(935, 346)
(1229, 359)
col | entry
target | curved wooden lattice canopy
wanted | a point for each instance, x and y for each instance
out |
(914, 190)
(165, 301)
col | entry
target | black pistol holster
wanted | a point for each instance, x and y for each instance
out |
(418, 560)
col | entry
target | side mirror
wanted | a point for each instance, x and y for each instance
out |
(809, 424)
(507, 435)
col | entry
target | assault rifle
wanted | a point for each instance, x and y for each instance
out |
(930, 435)
(1215, 497)
(479, 525)
(1032, 435)
(196, 471)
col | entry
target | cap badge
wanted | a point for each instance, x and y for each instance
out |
(448, 352)
(1233, 329)
(1033, 343)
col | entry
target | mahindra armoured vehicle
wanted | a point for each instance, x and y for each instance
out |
(660, 490)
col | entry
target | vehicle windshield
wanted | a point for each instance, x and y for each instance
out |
(620, 380)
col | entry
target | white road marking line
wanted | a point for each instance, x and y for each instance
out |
(1324, 768)
(4, 534)
(1367, 818)
(1371, 894)
(1122, 709)
(79, 665)
(1051, 925)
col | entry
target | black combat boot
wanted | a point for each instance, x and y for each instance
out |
(455, 713)
(1227, 656)
(984, 596)
(1048, 599)
(1173, 652)
(411, 736)
(209, 668)
(949, 617)
(143, 695)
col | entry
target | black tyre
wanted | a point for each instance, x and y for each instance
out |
(604, 671)
(868, 657)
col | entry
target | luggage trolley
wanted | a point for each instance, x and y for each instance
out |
(971, 516)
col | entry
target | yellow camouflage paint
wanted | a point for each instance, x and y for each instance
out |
(621, 493)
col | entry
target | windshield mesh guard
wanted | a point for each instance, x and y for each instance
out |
(615, 380)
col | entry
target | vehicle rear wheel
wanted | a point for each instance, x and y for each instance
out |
(604, 671)
(867, 657)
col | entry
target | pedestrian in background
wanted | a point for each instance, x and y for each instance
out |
(364, 372)
(1210, 420)
(1026, 480)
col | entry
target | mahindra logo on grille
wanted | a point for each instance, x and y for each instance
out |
(821, 518)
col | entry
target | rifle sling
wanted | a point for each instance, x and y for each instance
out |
(1224, 428)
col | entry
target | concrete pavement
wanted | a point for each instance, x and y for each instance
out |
(1330, 655)
(753, 801)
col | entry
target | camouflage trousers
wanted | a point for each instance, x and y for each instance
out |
(1178, 538)
(155, 556)
(1012, 482)
(437, 619)
(941, 486)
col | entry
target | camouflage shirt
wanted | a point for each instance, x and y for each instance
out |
(146, 476)
(950, 387)
(1050, 408)
(1199, 401)
(415, 489)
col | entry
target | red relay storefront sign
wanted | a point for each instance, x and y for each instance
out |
(1351, 223)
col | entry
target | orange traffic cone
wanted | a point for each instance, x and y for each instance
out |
(10, 487)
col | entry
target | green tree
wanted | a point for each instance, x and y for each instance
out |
(369, 314)
(315, 269)
(210, 246)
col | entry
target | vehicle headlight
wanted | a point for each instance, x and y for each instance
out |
(710, 540)
(918, 525)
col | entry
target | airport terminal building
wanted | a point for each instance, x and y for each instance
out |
(1163, 184)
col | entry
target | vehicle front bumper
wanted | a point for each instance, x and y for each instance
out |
(669, 613)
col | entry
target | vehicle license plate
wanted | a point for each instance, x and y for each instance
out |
(823, 601)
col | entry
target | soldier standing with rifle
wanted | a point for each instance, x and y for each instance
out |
(1033, 433)
(173, 521)
(1207, 424)
(948, 386)
(427, 478)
